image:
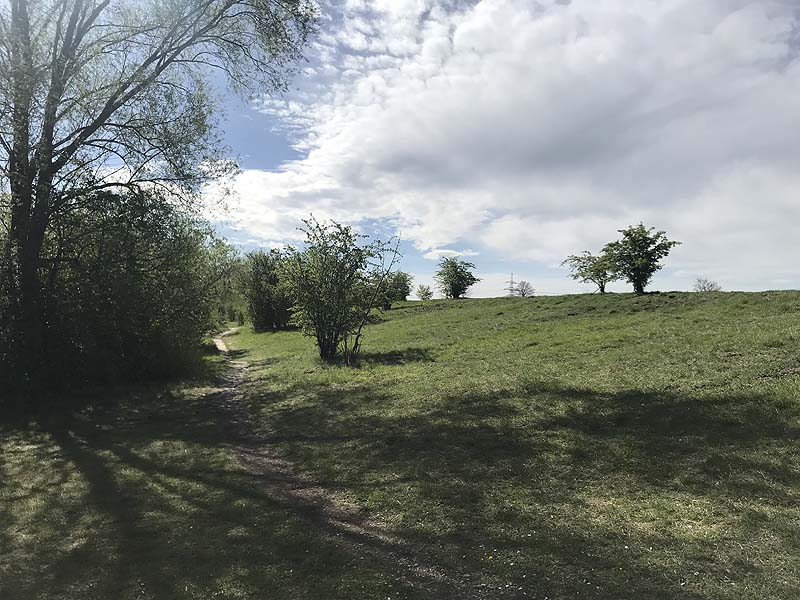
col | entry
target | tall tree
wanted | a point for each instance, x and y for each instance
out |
(111, 94)
(637, 256)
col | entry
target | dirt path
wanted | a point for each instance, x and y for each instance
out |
(219, 340)
(288, 486)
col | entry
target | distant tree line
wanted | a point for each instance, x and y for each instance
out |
(330, 287)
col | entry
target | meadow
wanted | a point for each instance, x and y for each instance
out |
(594, 446)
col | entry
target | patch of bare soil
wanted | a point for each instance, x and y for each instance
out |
(789, 372)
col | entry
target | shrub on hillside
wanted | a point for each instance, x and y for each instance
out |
(335, 282)
(701, 284)
(424, 292)
(395, 288)
(455, 277)
(524, 289)
(588, 268)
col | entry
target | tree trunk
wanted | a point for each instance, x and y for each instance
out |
(26, 239)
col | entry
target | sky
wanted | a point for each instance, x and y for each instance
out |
(517, 132)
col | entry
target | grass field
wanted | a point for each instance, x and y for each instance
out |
(589, 446)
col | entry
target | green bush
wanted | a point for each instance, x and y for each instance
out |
(637, 256)
(424, 292)
(335, 282)
(129, 292)
(396, 287)
(269, 301)
(455, 277)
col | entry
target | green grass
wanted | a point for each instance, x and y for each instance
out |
(569, 447)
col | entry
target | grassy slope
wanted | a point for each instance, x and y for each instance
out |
(569, 447)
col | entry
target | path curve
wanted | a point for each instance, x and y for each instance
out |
(219, 340)
(291, 488)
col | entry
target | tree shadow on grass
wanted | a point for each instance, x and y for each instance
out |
(396, 357)
(480, 495)
(477, 468)
(164, 510)
(673, 439)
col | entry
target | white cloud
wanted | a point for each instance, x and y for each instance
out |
(438, 253)
(530, 130)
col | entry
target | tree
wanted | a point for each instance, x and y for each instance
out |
(524, 289)
(455, 277)
(231, 297)
(424, 292)
(588, 268)
(102, 95)
(701, 284)
(130, 291)
(335, 282)
(268, 299)
(637, 256)
(396, 288)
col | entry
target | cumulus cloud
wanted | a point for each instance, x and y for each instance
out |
(439, 253)
(531, 130)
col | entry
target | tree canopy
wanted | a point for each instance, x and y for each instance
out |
(102, 95)
(335, 281)
(637, 256)
(266, 289)
(588, 268)
(131, 291)
(455, 277)
(395, 288)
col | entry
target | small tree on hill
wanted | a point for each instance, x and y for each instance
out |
(396, 288)
(335, 282)
(524, 289)
(701, 284)
(455, 277)
(588, 268)
(637, 255)
(424, 292)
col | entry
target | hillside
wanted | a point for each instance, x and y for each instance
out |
(567, 447)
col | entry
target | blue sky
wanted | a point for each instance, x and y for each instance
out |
(516, 133)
